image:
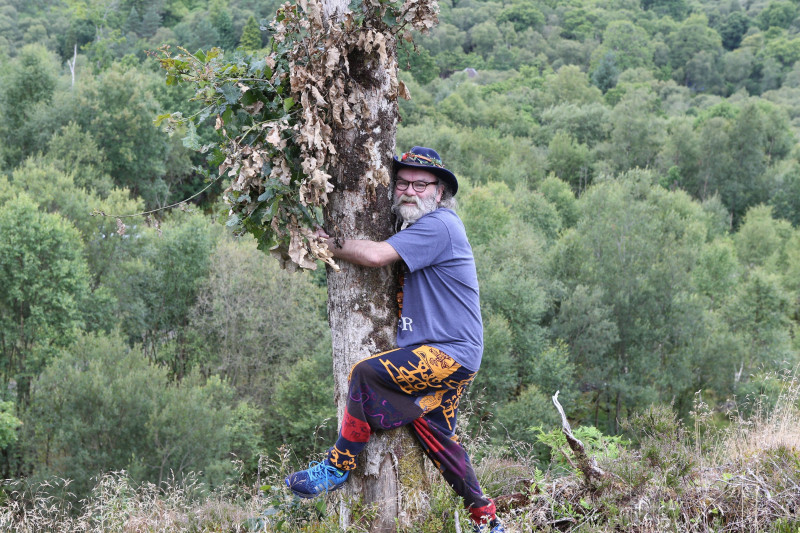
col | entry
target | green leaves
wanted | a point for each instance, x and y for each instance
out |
(230, 92)
(233, 220)
(191, 140)
(45, 287)
(104, 396)
(8, 424)
(271, 152)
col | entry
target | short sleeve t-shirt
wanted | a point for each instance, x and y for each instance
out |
(441, 305)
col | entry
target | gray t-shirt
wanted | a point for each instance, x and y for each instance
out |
(441, 305)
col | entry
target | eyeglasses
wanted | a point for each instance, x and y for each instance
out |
(419, 186)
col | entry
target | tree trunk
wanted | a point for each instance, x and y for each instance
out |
(72, 64)
(362, 306)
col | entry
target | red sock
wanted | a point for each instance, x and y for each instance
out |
(483, 515)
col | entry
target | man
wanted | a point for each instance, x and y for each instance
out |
(439, 334)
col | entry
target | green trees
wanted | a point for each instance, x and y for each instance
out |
(118, 108)
(570, 85)
(102, 406)
(299, 413)
(57, 192)
(509, 231)
(28, 83)
(630, 45)
(729, 151)
(223, 23)
(634, 266)
(522, 15)
(254, 338)
(9, 424)
(733, 29)
(418, 61)
(674, 8)
(483, 37)
(627, 316)
(758, 314)
(637, 131)
(757, 135)
(569, 161)
(45, 290)
(156, 288)
(692, 37)
(251, 36)
(779, 14)
(599, 278)
(606, 73)
(74, 151)
(785, 194)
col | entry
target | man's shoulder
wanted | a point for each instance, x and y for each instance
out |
(445, 224)
(445, 212)
(448, 216)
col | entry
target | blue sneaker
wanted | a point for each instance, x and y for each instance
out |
(494, 526)
(317, 479)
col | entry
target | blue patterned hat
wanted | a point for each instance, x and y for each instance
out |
(427, 159)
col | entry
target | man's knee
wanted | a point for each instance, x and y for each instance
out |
(362, 371)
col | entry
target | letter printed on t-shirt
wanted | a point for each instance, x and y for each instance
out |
(405, 323)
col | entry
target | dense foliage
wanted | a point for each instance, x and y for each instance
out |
(631, 189)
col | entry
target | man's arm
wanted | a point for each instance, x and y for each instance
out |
(362, 251)
(366, 253)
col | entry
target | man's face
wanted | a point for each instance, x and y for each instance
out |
(411, 204)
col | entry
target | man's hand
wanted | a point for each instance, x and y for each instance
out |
(360, 251)
(321, 234)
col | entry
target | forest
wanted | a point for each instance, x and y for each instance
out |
(630, 184)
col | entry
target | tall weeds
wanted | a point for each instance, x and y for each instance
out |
(116, 505)
(768, 428)
(745, 478)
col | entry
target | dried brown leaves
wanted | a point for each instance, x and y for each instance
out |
(420, 14)
(377, 174)
(329, 98)
(304, 248)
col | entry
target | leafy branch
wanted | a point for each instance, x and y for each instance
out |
(275, 115)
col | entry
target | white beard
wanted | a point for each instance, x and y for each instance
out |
(412, 213)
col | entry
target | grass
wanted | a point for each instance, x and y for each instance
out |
(745, 478)
(116, 505)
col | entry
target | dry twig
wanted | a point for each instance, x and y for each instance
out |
(586, 464)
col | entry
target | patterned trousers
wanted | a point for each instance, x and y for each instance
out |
(422, 387)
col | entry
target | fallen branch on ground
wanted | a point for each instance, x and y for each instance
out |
(586, 463)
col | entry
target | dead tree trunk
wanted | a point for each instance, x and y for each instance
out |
(586, 463)
(362, 306)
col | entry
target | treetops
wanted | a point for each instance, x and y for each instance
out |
(669, 279)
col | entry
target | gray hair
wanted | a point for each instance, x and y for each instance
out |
(448, 200)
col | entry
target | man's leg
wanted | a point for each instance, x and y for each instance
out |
(374, 401)
(452, 461)
(396, 388)
(436, 432)
(422, 386)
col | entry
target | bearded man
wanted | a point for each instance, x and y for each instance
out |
(439, 334)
